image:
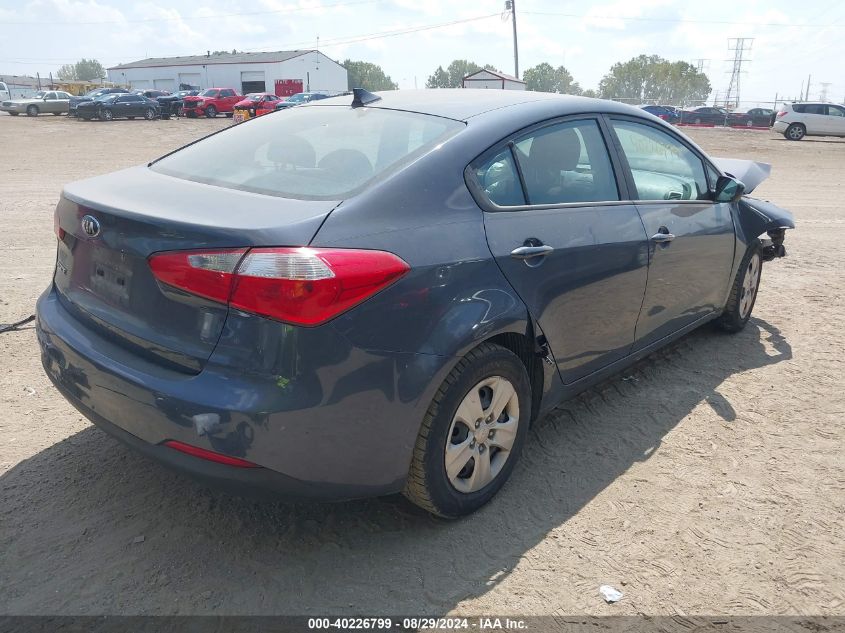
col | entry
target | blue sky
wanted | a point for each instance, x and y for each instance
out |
(587, 37)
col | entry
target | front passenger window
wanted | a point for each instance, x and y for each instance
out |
(662, 167)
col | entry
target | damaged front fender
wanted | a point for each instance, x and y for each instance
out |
(758, 217)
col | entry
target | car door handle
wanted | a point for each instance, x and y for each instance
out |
(662, 237)
(527, 252)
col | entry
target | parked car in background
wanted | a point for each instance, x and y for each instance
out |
(44, 102)
(151, 94)
(377, 295)
(119, 106)
(171, 104)
(797, 120)
(704, 115)
(90, 96)
(300, 98)
(5, 93)
(254, 105)
(755, 117)
(662, 112)
(211, 102)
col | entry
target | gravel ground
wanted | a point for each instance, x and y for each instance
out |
(708, 479)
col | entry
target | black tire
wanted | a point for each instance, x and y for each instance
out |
(150, 114)
(211, 112)
(795, 132)
(131, 118)
(106, 115)
(14, 113)
(32, 110)
(428, 484)
(738, 310)
(57, 114)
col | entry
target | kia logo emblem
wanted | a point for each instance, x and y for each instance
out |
(91, 226)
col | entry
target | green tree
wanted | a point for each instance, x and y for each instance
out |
(368, 76)
(544, 78)
(83, 70)
(589, 92)
(652, 78)
(454, 74)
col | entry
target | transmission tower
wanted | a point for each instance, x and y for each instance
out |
(825, 87)
(701, 65)
(740, 46)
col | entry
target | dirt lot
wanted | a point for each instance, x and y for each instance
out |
(707, 480)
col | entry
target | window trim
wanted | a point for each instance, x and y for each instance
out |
(507, 144)
(705, 162)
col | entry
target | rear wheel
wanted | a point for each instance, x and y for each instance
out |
(472, 433)
(211, 112)
(32, 110)
(744, 291)
(795, 132)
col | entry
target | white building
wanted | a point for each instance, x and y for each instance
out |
(283, 72)
(492, 79)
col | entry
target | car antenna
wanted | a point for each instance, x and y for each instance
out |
(361, 97)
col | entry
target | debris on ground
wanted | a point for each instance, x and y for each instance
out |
(610, 594)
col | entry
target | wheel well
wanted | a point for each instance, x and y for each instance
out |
(523, 347)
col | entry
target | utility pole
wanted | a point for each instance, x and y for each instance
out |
(510, 5)
(739, 46)
(807, 94)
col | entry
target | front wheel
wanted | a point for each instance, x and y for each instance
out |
(472, 433)
(743, 292)
(106, 115)
(32, 110)
(150, 114)
(211, 112)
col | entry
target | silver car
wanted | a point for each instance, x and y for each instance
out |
(53, 101)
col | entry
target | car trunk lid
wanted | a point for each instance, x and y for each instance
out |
(110, 225)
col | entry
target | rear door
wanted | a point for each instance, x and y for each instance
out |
(559, 230)
(691, 237)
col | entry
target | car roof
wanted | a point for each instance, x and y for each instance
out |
(463, 104)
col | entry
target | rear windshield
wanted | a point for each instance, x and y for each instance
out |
(312, 152)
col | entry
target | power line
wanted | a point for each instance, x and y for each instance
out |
(677, 20)
(191, 18)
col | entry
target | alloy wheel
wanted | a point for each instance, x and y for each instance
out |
(482, 434)
(749, 285)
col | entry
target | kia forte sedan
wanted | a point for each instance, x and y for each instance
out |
(379, 293)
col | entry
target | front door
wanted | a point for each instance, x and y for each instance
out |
(574, 252)
(691, 238)
(834, 123)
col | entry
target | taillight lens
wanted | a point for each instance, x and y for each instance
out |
(303, 286)
(781, 113)
(57, 229)
(208, 274)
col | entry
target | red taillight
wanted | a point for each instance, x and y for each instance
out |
(304, 286)
(209, 455)
(781, 113)
(58, 230)
(208, 274)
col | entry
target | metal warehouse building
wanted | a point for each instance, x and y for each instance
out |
(485, 78)
(283, 72)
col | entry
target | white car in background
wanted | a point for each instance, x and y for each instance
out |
(797, 120)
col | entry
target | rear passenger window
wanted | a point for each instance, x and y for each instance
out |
(566, 163)
(499, 180)
(814, 108)
(662, 167)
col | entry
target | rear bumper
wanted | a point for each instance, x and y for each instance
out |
(780, 126)
(323, 419)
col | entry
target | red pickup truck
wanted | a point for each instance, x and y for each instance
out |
(211, 101)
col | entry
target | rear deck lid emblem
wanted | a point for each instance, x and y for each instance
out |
(90, 225)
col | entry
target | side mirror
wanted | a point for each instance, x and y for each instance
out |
(728, 189)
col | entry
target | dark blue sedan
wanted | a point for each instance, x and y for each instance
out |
(670, 115)
(369, 295)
